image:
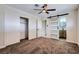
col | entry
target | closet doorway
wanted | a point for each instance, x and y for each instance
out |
(24, 28)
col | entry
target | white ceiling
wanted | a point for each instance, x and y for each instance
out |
(60, 8)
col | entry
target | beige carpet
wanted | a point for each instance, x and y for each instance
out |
(41, 46)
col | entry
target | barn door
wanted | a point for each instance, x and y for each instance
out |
(53, 27)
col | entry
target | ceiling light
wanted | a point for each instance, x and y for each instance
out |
(44, 11)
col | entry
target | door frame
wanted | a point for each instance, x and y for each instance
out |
(27, 26)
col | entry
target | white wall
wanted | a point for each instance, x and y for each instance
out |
(78, 26)
(1, 27)
(72, 27)
(12, 25)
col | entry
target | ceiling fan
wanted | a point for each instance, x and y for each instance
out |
(44, 9)
(58, 15)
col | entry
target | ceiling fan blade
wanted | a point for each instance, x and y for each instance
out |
(40, 12)
(37, 9)
(49, 17)
(51, 9)
(47, 12)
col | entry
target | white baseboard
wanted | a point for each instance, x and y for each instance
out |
(78, 44)
(72, 41)
(2, 47)
(8, 44)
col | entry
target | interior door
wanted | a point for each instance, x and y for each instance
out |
(44, 24)
(53, 27)
(38, 28)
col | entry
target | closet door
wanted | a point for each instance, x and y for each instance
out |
(53, 26)
(38, 28)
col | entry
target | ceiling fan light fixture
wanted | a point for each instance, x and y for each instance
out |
(44, 11)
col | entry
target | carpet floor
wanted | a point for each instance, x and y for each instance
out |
(41, 45)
